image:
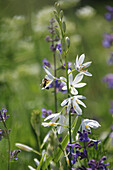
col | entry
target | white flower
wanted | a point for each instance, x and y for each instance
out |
(72, 83)
(56, 120)
(80, 67)
(87, 124)
(74, 101)
(48, 78)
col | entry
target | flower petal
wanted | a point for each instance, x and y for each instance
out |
(81, 59)
(87, 64)
(63, 80)
(77, 108)
(81, 103)
(77, 79)
(79, 85)
(52, 116)
(74, 91)
(70, 75)
(64, 102)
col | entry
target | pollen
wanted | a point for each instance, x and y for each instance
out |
(48, 81)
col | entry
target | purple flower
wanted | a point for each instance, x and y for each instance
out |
(109, 80)
(108, 40)
(59, 86)
(58, 46)
(45, 112)
(68, 65)
(99, 164)
(111, 108)
(48, 39)
(110, 60)
(46, 63)
(109, 14)
(83, 137)
(13, 154)
(60, 139)
(3, 115)
(1, 133)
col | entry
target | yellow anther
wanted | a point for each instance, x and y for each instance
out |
(77, 102)
(87, 126)
(52, 124)
(67, 161)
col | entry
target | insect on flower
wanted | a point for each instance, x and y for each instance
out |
(44, 83)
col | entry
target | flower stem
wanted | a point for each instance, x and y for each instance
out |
(7, 138)
(70, 140)
(54, 58)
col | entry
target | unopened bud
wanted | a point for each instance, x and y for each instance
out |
(24, 147)
(67, 40)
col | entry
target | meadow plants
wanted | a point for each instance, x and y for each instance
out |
(69, 142)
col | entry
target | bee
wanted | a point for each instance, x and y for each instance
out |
(44, 83)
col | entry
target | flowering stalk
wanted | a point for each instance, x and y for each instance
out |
(65, 51)
(6, 129)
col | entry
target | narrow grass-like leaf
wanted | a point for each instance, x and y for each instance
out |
(59, 152)
(41, 161)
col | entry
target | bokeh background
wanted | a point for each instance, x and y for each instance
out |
(23, 28)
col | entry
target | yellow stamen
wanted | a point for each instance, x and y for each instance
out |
(77, 102)
(87, 126)
(67, 161)
(52, 124)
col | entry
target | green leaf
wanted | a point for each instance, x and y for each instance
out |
(64, 142)
(46, 163)
(59, 152)
(41, 161)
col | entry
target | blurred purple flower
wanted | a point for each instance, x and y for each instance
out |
(45, 112)
(110, 60)
(46, 62)
(13, 154)
(59, 86)
(3, 114)
(68, 65)
(111, 108)
(108, 40)
(58, 46)
(109, 14)
(1, 133)
(109, 80)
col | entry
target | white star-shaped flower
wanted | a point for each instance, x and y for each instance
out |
(48, 78)
(72, 83)
(81, 67)
(74, 101)
(56, 120)
(87, 124)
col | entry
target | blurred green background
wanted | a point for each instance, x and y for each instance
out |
(23, 28)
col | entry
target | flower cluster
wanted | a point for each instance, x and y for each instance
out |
(3, 115)
(109, 80)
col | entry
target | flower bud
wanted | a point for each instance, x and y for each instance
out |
(67, 40)
(24, 147)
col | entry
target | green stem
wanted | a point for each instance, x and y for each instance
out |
(54, 58)
(70, 140)
(7, 138)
